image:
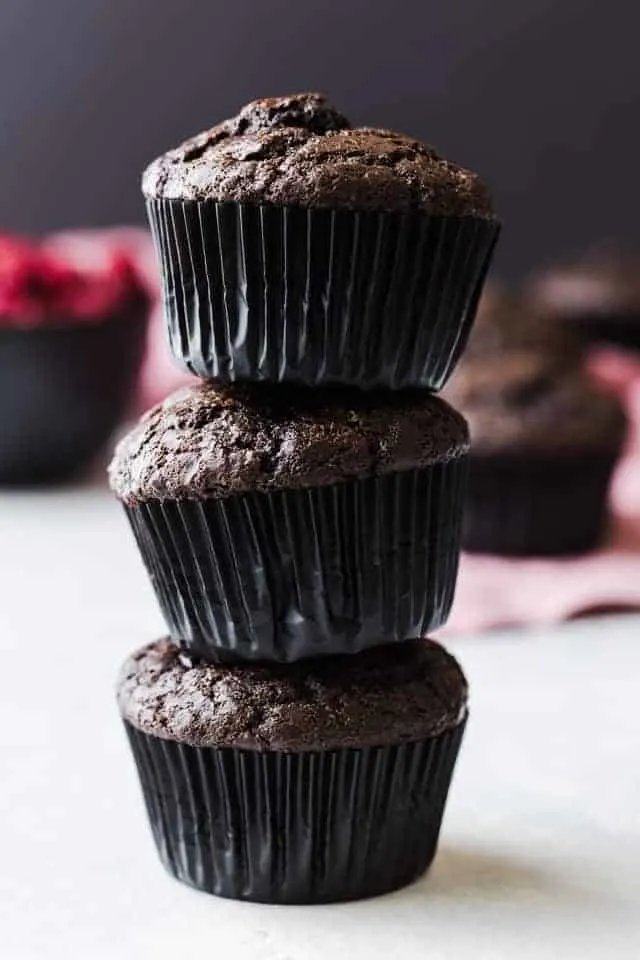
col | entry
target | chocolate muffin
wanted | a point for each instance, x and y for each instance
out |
(295, 783)
(544, 443)
(507, 322)
(288, 523)
(295, 248)
(71, 342)
(598, 298)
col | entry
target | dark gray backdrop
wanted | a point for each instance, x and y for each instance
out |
(541, 96)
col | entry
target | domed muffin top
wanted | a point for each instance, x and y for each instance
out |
(524, 400)
(507, 322)
(605, 284)
(209, 441)
(387, 695)
(299, 150)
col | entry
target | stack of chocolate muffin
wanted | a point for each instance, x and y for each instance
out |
(299, 511)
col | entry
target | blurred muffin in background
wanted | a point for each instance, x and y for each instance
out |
(544, 442)
(503, 322)
(597, 297)
(72, 337)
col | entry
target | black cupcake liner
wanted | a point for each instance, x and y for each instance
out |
(272, 293)
(63, 390)
(303, 573)
(536, 505)
(310, 827)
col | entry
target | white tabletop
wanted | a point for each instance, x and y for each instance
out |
(540, 850)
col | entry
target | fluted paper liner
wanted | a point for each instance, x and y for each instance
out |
(314, 296)
(536, 505)
(303, 573)
(306, 827)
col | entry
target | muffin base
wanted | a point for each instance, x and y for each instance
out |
(64, 389)
(537, 505)
(313, 296)
(311, 827)
(305, 573)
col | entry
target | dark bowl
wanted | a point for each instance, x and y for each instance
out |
(63, 390)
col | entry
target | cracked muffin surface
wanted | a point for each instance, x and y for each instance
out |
(386, 695)
(299, 150)
(210, 441)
